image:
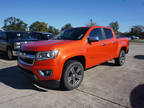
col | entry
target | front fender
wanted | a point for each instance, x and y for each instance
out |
(67, 56)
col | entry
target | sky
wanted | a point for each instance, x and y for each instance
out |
(77, 12)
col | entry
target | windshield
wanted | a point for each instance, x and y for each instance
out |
(72, 34)
(19, 35)
(41, 36)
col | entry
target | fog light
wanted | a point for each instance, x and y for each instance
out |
(45, 73)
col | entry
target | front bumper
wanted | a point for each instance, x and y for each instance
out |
(52, 65)
(45, 83)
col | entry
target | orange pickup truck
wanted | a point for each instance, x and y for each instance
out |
(62, 60)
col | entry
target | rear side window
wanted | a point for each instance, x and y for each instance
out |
(108, 33)
(96, 32)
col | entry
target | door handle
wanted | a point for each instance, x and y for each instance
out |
(103, 44)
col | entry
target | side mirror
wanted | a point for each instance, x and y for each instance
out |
(93, 39)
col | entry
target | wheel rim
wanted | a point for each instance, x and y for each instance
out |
(74, 75)
(122, 57)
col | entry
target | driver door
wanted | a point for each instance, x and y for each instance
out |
(95, 50)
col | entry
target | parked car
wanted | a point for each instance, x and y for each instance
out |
(134, 37)
(10, 42)
(42, 35)
(62, 61)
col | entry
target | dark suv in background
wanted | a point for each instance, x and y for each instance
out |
(10, 42)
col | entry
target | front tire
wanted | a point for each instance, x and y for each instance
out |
(73, 73)
(9, 54)
(121, 59)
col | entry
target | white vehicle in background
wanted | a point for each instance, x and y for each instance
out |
(134, 37)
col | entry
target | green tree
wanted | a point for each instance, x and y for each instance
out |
(137, 30)
(14, 24)
(53, 30)
(38, 27)
(66, 26)
(91, 23)
(127, 34)
(115, 26)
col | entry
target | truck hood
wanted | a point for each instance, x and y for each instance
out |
(44, 45)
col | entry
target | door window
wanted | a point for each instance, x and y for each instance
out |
(96, 33)
(108, 33)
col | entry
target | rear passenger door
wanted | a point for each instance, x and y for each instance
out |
(110, 43)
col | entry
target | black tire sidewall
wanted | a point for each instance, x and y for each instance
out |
(118, 61)
(68, 65)
(9, 52)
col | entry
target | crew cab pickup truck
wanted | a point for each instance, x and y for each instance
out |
(63, 59)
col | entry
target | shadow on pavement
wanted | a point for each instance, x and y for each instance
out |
(108, 64)
(103, 64)
(3, 56)
(139, 56)
(11, 77)
(137, 97)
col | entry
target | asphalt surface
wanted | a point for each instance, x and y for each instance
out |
(104, 86)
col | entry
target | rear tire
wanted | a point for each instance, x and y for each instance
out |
(9, 54)
(121, 59)
(73, 73)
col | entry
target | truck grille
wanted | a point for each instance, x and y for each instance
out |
(26, 57)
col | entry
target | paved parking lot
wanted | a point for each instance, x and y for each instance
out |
(104, 86)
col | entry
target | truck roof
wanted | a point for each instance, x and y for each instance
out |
(93, 27)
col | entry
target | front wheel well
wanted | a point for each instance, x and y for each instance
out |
(80, 59)
(124, 48)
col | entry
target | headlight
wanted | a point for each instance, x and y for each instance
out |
(47, 55)
(17, 45)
